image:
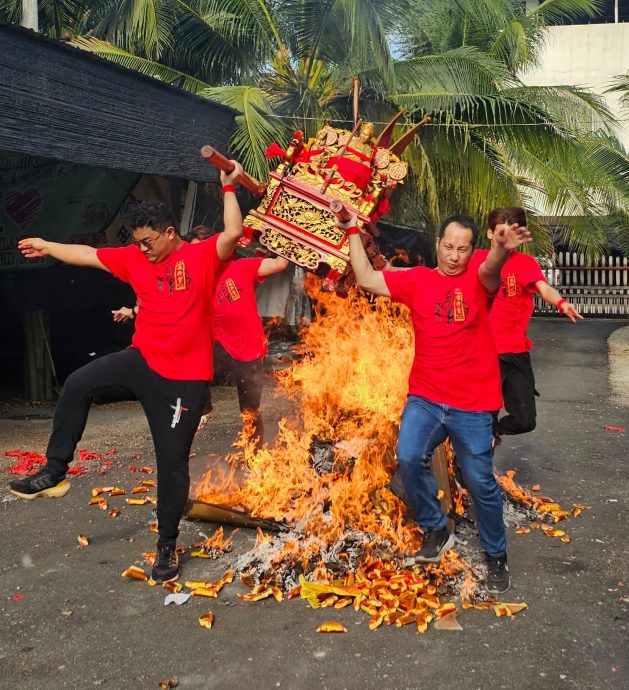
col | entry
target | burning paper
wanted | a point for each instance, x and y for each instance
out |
(508, 610)
(331, 627)
(325, 479)
(135, 573)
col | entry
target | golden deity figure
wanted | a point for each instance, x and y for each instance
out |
(353, 162)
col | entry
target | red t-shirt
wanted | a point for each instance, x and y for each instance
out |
(174, 324)
(455, 361)
(237, 324)
(513, 306)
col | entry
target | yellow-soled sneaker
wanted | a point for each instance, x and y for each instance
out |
(40, 484)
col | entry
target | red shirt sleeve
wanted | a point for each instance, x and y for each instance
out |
(118, 260)
(255, 263)
(402, 284)
(531, 272)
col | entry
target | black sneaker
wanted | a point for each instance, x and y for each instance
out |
(166, 568)
(498, 580)
(436, 543)
(40, 484)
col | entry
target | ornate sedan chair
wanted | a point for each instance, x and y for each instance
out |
(339, 174)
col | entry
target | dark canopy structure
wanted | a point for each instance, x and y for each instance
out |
(76, 134)
(62, 102)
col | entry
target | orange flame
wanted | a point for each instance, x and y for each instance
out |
(350, 385)
(326, 474)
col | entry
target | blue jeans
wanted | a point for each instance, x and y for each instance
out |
(423, 427)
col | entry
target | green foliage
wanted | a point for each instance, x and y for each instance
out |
(288, 64)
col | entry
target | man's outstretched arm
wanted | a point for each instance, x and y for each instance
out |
(232, 217)
(73, 254)
(552, 296)
(366, 276)
(270, 266)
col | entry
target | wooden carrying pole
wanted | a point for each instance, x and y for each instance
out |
(442, 475)
(218, 160)
(198, 510)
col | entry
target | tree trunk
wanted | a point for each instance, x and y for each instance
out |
(30, 16)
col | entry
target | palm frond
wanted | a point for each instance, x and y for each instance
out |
(143, 65)
(551, 12)
(256, 128)
(620, 85)
(139, 26)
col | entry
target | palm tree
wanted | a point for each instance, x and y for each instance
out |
(492, 140)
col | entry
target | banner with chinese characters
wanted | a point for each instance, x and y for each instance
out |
(58, 201)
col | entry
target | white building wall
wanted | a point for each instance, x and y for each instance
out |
(589, 56)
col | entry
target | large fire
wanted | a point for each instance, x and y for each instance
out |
(326, 476)
(327, 471)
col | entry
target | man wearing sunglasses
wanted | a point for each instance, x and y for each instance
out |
(169, 363)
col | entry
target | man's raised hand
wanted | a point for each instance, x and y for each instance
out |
(512, 236)
(232, 177)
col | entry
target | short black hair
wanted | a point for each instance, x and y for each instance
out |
(150, 214)
(464, 221)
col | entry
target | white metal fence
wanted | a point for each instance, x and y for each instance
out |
(598, 286)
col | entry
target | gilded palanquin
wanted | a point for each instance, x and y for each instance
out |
(295, 218)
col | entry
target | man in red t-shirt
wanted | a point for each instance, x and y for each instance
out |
(239, 340)
(509, 318)
(454, 384)
(167, 367)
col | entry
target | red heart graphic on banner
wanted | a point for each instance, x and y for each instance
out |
(22, 207)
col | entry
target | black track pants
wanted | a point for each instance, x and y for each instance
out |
(518, 392)
(173, 409)
(249, 380)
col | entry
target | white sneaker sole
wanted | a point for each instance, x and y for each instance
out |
(57, 491)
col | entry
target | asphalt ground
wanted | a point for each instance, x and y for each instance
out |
(68, 620)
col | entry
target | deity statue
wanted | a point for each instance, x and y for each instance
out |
(361, 147)
(354, 165)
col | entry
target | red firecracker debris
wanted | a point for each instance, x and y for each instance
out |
(619, 429)
(77, 470)
(84, 454)
(28, 461)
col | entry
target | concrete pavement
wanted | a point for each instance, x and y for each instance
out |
(67, 618)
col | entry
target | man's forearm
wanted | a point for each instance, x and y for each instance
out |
(366, 276)
(489, 271)
(74, 254)
(548, 293)
(232, 219)
(358, 258)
